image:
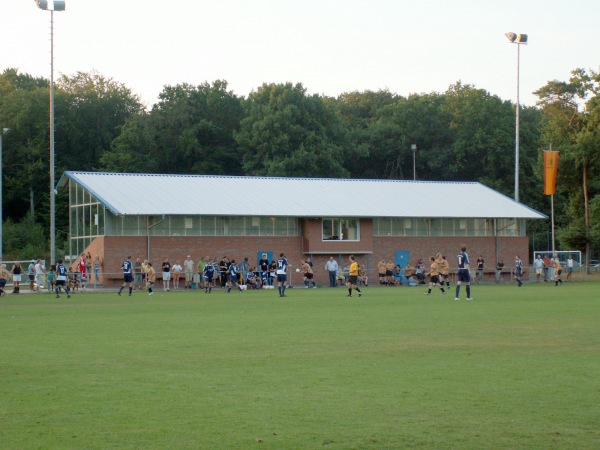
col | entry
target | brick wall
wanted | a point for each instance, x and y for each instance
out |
(115, 249)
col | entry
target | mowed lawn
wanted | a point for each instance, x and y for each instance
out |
(515, 368)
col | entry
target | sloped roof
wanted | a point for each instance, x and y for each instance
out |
(155, 194)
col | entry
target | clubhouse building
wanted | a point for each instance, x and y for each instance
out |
(153, 216)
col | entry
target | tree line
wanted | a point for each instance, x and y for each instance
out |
(462, 134)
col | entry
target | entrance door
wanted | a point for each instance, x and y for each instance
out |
(402, 258)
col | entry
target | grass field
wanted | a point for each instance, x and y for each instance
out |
(513, 369)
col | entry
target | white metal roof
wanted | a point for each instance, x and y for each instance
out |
(155, 194)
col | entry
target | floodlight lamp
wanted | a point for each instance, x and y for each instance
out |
(42, 4)
(413, 147)
(511, 36)
(59, 5)
(522, 39)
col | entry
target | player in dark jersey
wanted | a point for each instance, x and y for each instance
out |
(232, 275)
(463, 273)
(209, 277)
(61, 279)
(127, 268)
(282, 266)
(518, 270)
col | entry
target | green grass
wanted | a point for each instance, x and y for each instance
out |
(516, 368)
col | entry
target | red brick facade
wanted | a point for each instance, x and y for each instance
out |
(369, 250)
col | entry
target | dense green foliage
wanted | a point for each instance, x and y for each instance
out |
(464, 133)
(513, 369)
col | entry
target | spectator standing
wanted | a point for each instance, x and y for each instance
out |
(244, 268)
(138, 279)
(97, 266)
(201, 269)
(331, 266)
(547, 264)
(570, 264)
(166, 274)
(88, 262)
(480, 267)
(40, 271)
(176, 269)
(539, 267)
(16, 274)
(499, 268)
(272, 272)
(31, 275)
(145, 268)
(188, 267)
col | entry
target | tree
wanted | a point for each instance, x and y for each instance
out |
(571, 124)
(190, 130)
(289, 133)
(91, 110)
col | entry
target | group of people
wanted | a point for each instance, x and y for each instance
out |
(206, 274)
(439, 273)
(551, 268)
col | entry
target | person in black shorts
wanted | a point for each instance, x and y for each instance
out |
(463, 273)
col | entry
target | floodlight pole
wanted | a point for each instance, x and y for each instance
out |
(518, 39)
(4, 131)
(58, 6)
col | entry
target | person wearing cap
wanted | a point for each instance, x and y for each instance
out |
(188, 267)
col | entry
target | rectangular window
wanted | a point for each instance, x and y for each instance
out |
(341, 230)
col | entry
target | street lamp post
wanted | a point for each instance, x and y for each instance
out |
(517, 39)
(4, 131)
(413, 147)
(59, 5)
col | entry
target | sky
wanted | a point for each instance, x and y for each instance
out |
(330, 46)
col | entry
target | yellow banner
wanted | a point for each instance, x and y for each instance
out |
(550, 171)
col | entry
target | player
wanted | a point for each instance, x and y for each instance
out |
(281, 271)
(308, 275)
(434, 276)
(518, 271)
(127, 268)
(61, 279)
(232, 275)
(353, 277)
(463, 273)
(150, 278)
(557, 271)
(209, 276)
(444, 267)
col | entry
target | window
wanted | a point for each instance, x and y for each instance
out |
(341, 230)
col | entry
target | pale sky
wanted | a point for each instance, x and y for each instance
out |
(330, 46)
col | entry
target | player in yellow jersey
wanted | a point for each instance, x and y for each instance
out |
(353, 277)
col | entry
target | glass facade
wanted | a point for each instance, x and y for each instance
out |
(447, 227)
(90, 219)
